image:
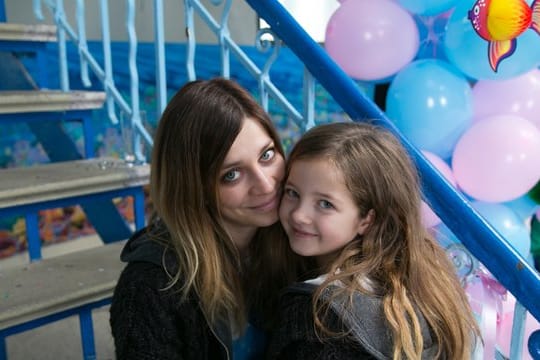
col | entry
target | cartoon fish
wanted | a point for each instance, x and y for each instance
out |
(499, 22)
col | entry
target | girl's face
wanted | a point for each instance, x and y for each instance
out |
(250, 183)
(317, 210)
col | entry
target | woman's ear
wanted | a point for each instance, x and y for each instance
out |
(366, 221)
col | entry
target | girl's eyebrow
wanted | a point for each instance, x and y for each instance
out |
(326, 196)
(239, 162)
(317, 193)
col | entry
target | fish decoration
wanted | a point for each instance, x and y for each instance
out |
(500, 22)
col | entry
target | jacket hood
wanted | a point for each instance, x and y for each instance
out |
(366, 321)
(368, 325)
(146, 245)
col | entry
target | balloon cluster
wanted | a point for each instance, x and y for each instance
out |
(479, 128)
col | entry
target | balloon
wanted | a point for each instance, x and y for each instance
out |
(431, 104)
(519, 96)
(468, 51)
(496, 159)
(428, 7)
(429, 218)
(523, 206)
(431, 30)
(507, 223)
(371, 40)
(444, 235)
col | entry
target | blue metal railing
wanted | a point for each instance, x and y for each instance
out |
(105, 73)
(229, 47)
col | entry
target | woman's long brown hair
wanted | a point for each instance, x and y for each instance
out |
(195, 133)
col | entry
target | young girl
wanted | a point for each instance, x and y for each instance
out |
(386, 290)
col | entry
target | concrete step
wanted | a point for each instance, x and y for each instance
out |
(26, 32)
(28, 101)
(68, 179)
(50, 286)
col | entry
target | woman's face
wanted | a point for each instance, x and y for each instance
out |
(250, 183)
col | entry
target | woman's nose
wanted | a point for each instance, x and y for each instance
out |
(264, 182)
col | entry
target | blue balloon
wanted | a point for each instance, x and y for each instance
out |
(469, 52)
(428, 7)
(507, 223)
(431, 104)
(523, 206)
(444, 235)
(431, 30)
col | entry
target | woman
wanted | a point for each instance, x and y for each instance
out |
(211, 263)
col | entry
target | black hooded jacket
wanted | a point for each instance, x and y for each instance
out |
(149, 322)
(369, 336)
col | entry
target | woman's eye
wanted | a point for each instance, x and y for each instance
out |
(268, 154)
(326, 204)
(231, 175)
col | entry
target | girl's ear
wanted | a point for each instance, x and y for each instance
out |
(365, 222)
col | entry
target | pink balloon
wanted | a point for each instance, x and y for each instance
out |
(496, 159)
(519, 96)
(371, 40)
(429, 218)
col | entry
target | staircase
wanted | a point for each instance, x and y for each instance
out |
(46, 290)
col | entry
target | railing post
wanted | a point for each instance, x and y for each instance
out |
(108, 80)
(190, 34)
(59, 15)
(161, 80)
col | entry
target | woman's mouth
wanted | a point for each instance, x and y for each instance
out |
(268, 205)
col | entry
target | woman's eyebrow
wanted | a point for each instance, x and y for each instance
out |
(239, 162)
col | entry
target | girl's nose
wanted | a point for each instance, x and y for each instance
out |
(299, 215)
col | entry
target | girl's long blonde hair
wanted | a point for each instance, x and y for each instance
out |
(406, 268)
(194, 135)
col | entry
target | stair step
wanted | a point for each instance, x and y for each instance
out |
(33, 291)
(61, 180)
(26, 101)
(27, 32)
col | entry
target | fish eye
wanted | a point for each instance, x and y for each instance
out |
(476, 9)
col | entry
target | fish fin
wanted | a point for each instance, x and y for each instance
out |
(500, 50)
(535, 23)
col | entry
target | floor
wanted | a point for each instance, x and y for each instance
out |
(61, 340)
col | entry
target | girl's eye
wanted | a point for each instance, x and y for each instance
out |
(326, 204)
(291, 193)
(268, 154)
(231, 175)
